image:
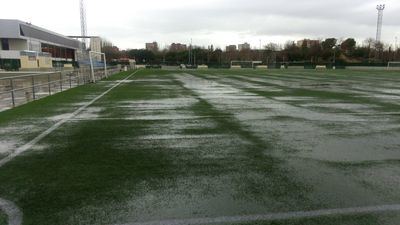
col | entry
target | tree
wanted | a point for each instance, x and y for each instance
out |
(112, 52)
(369, 43)
(272, 47)
(329, 43)
(327, 48)
(142, 56)
(348, 46)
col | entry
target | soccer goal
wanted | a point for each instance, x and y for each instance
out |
(245, 64)
(393, 66)
(98, 65)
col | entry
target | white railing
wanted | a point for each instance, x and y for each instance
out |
(17, 90)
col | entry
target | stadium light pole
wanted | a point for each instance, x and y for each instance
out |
(334, 55)
(380, 9)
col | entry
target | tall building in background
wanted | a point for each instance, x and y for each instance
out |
(245, 46)
(307, 43)
(152, 46)
(231, 48)
(97, 44)
(177, 47)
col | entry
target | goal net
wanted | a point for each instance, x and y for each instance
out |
(393, 66)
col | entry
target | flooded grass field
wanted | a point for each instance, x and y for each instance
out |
(208, 147)
(3, 218)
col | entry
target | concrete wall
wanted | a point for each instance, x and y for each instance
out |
(29, 62)
(45, 62)
(33, 62)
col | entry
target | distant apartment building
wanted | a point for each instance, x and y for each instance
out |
(152, 46)
(97, 44)
(30, 47)
(307, 43)
(231, 48)
(177, 47)
(245, 46)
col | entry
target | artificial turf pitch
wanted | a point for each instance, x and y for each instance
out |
(177, 145)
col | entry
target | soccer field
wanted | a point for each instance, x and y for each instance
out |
(207, 147)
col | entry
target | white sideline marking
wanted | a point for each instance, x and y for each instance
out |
(30, 144)
(12, 211)
(274, 216)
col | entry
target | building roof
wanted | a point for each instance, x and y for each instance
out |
(21, 30)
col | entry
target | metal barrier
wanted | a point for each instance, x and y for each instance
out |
(18, 90)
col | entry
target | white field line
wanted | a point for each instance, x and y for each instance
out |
(30, 144)
(12, 211)
(275, 216)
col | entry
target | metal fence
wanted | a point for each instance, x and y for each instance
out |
(21, 89)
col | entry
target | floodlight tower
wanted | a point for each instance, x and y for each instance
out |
(380, 9)
(83, 23)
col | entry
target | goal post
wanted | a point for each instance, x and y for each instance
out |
(245, 64)
(95, 62)
(393, 65)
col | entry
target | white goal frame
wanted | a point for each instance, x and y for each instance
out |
(91, 53)
(252, 62)
(393, 62)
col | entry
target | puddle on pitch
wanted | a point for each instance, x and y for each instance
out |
(89, 113)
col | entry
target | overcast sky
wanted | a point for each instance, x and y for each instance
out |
(131, 23)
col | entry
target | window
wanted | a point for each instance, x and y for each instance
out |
(21, 31)
(4, 44)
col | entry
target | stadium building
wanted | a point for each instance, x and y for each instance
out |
(25, 46)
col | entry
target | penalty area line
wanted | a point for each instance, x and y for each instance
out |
(44, 134)
(275, 216)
